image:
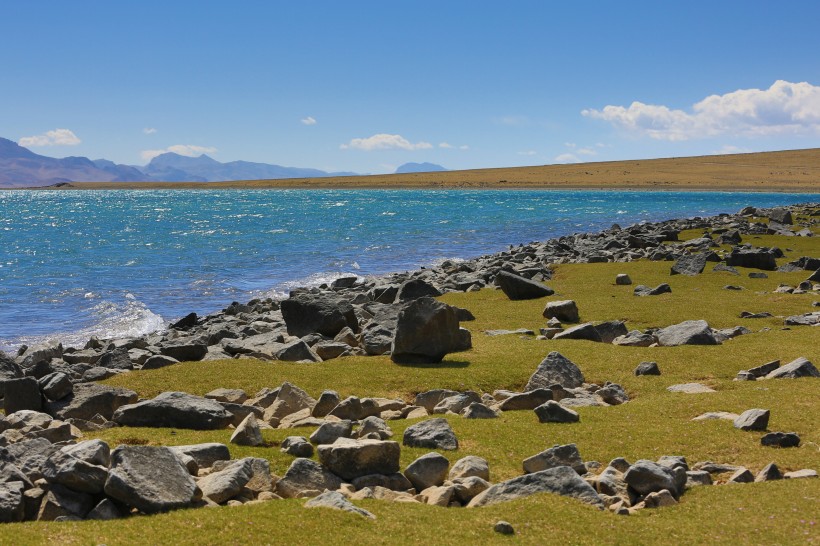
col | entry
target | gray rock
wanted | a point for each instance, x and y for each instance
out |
(331, 431)
(780, 439)
(90, 399)
(426, 331)
(74, 473)
(174, 410)
(29, 456)
(456, 403)
(753, 419)
(800, 367)
(635, 338)
(769, 473)
(690, 332)
(105, 510)
(800, 474)
(98, 373)
(611, 330)
(689, 264)
(150, 479)
(61, 502)
(742, 475)
(764, 369)
(296, 351)
(327, 401)
(337, 501)
(429, 470)
(503, 528)
(56, 386)
(430, 399)
(158, 361)
(414, 289)
(326, 314)
(647, 368)
(12, 508)
(234, 396)
(553, 412)
(248, 433)
(289, 400)
(395, 482)
(757, 258)
(374, 425)
(355, 458)
(586, 331)
(781, 215)
(695, 478)
(690, 388)
(306, 478)
(565, 311)
(561, 480)
(646, 477)
(22, 394)
(477, 410)
(559, 455)
(432, 433)
(555, 369)
(94, 452)
(27, 418)
(470, 466)
(355, 408)
(516, 287)
(622, 279)
(205, 455)
(613, 394)
(525, 400)
(117, 359)
(228, 482)
(185, 351)
(642, 290)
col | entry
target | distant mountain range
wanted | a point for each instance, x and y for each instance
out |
(22, 168)
(419, 168)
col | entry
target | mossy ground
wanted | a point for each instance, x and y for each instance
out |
(653, 423)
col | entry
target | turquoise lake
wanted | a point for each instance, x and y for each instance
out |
(116, 263)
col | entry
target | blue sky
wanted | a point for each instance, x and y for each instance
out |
(366, 86)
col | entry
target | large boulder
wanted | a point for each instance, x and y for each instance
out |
(416, 288)
(351, 459)
(559, 455)
(690, 332)
(689, 264)
(8, 370)
(757, 258)
(646, 477)
(22, 394)
(90, 399)
(565, 311)
(306, 478)
(325, 314)
(12, 508)
(175, 410)
(427, 471)
(555, 369)
(336, 501)
(227, 483)
(150, 479)
(426, 331)
(781, 215)
(205, 455)
(432, 433)
(516, 287)
(76, 474)
(56, 386)
(561, 480)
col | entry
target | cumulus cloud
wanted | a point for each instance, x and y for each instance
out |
(149, 130)
(783, 108)
(445, 145)
(463, 147)
(57, 137)
(384, 141)
(188, 150)
(567, 158)
(310, 120)
(730, 149)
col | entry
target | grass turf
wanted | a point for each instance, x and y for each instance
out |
(655, 422)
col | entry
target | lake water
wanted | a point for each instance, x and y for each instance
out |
(113, 263)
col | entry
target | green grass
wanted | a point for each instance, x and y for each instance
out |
(655, 422)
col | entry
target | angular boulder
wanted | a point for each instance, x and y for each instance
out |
(561, 480)
(553, 412)
(690, 332)
(555, 369)
(432, 433)
(429, 470)
(306, 478)
(351, 459)
(325, 314)
(90, 399)
(560, 455)
(517, 287)
(174, 410)
(799, 367)
(565, 311)
(426, 331)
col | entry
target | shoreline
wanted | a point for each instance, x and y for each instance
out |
(790, 171)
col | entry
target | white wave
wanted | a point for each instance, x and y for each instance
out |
(282, 290)
(111, 320)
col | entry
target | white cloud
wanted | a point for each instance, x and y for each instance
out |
(384, 141)
(783, 108)
(188, 150)
(513, 121)
(567, 158)
(730, 149)
(149, 130)
(445, 145)
(57, 137)
(463, 147)
(528, 152)
(586, 151)
(308, 121)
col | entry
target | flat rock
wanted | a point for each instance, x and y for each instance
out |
(90, 399)
(690, 332)
(175, 410)
(525, 400)
(561, 480)
(351, 459)
(690, 388)
(689, 264)
(753, 419)
(306, 478)
(800, 367)
(553, 412)
(516, 287)
(432, 433)
(336, 501)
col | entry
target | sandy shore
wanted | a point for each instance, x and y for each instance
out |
(795, 171)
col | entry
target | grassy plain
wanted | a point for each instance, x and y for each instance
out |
(783, 171)
(655, 422)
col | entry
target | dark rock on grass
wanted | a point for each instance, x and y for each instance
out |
(477, 410)
(306, 478)
(432, 433)
(22, 394)
(770, 472)
(764, 369)
(756, 258)
(553, 412)
(117, 359)
(327, 401)
(780, 439)
(646, 477)
(725, 268)
(690, 332)
(565, 311)
(525, 400)
(326, 314)
(427, 471)
(336, 501)
(561, 480)
(516, 287)
(559, 455)
(555, 369)
(414, 289)
(298, 446)
(613, 394)
(150, 479)
(662, 288)
(611, 330)
(205, 455)
(814, 277)
(62, 502)
(56, 386)
(753, 419)
(635, 338)
(227, 483)
(426, 331)
(622, 279)
(648, 368)
(781, 215)
(175, 410)
(749, 315)
(689, 264)
(743, 475)
(186, 351)
(806, 319)
(503, 528)
(586, 331)
(158, 361)
(800, 367)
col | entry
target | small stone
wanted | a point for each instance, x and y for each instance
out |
(780, 439)
(798, 474)
(622, 279)
(553, 412)
(248, 433)
(770, 472)
(742, 475)
(337, 501)
(753, 419)
(648, 368)
(504, 528)
(690, 388)
(298, 446)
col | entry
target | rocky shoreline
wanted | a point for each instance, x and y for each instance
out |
(51, 397)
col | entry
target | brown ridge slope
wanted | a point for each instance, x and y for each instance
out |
(784, 171)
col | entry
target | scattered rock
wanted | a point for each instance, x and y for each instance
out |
(780, 439)
(559, 455)
(662, 288)
(800, 367)
(561, 480)
(516, 287)
(565, 311)
(432, 433)
(690, 388)
(622, 279)
(306, 478)
(426, 331)
(248, 433)
(647, 368)
(175, 410)
(350, 459)
(555, 369)
(503, 528)
(427, 471)
(553, 412)
(337, 501)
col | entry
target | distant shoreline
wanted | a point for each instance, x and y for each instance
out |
(794, 171)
